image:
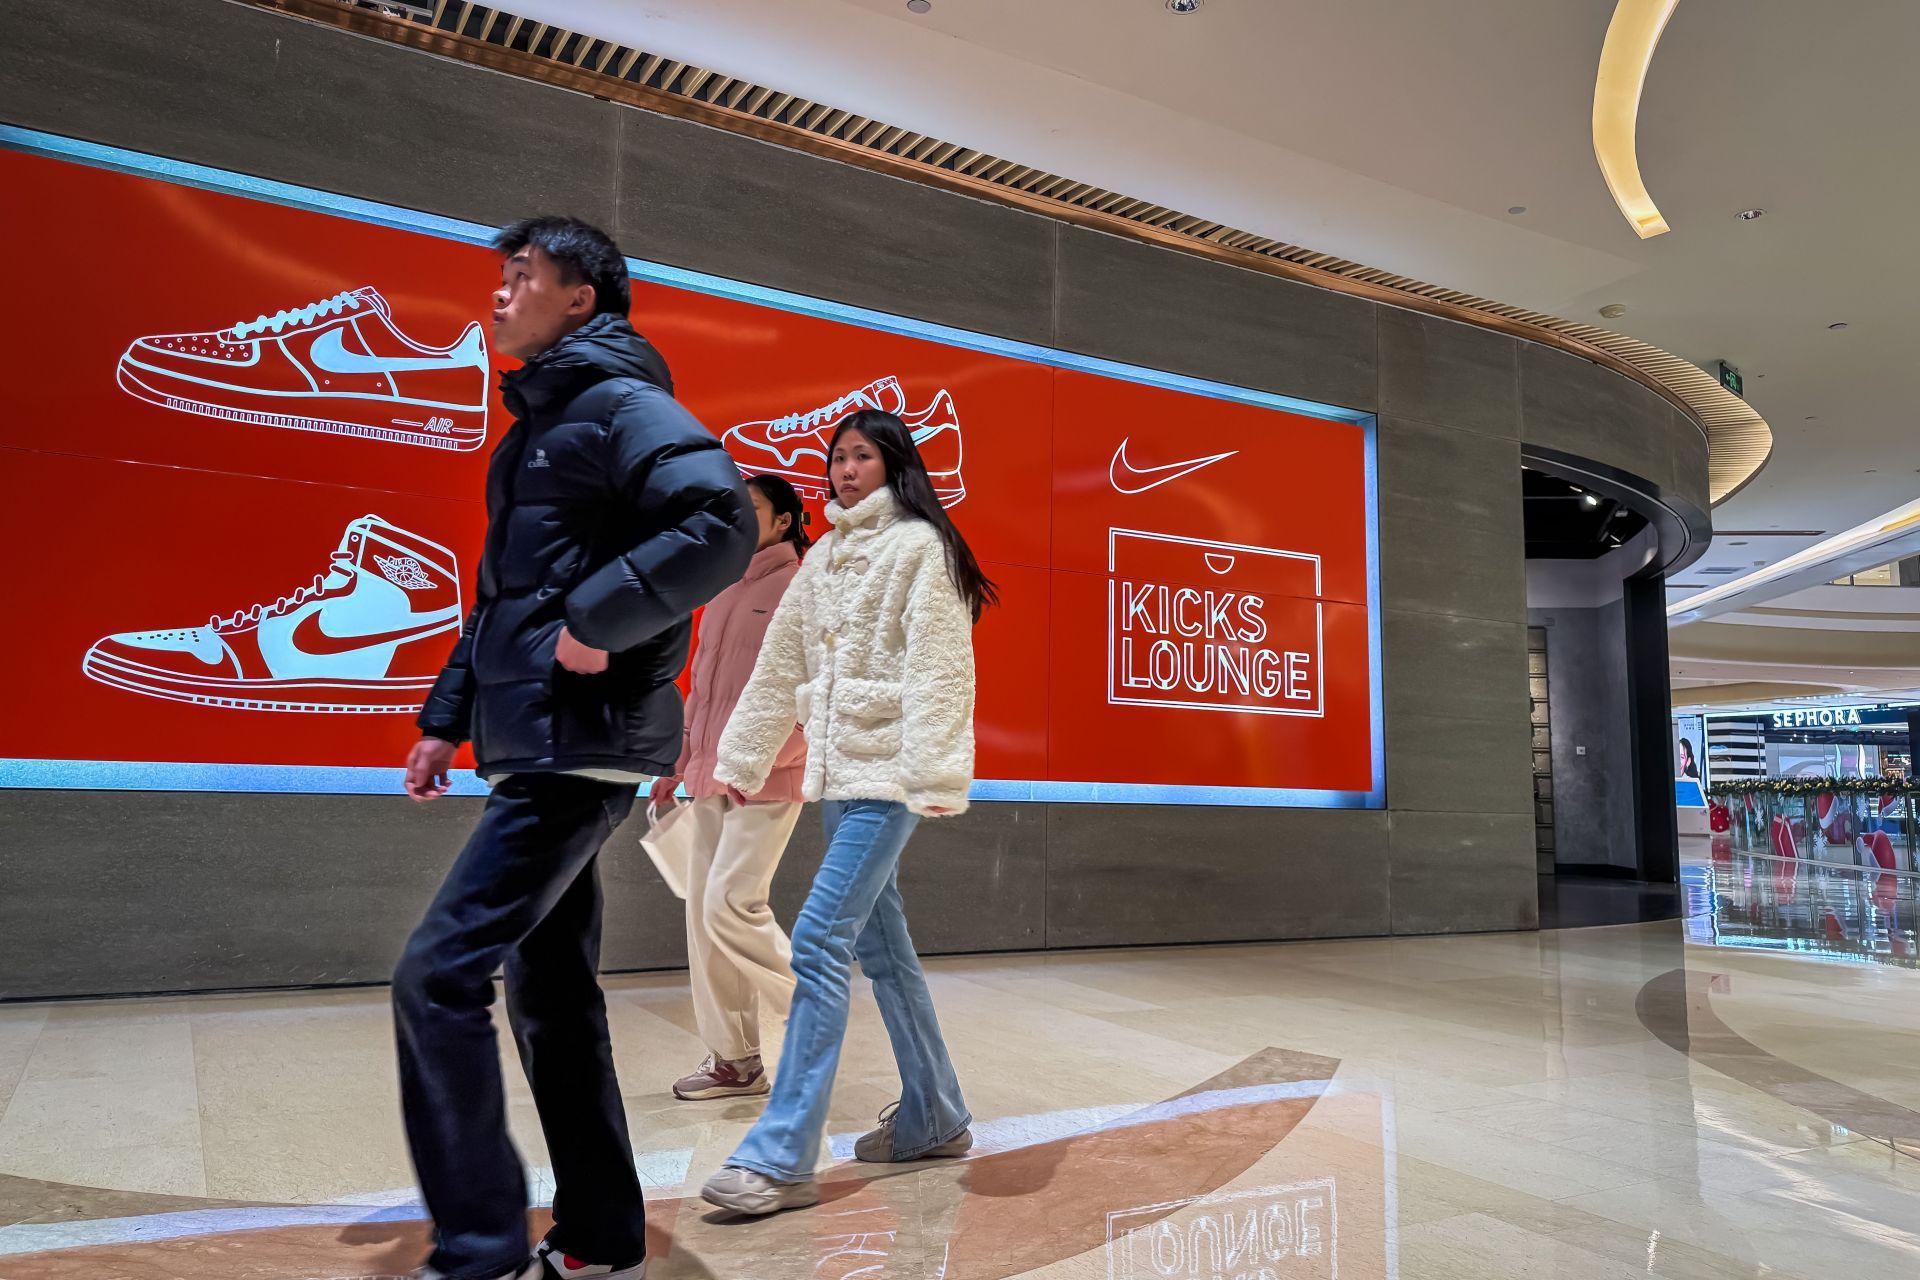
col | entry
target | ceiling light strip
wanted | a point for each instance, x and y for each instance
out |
(1857, 538)
(1631, 39)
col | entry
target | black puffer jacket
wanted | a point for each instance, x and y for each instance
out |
(610, 510)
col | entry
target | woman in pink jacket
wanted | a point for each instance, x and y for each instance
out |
(739, 958)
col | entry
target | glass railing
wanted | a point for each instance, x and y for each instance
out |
(1874, 831)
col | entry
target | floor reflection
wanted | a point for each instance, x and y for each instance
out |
(1701, 1096)
(1843, 913)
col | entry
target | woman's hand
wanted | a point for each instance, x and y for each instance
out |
(662, 794)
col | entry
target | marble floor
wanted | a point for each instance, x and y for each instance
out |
(1731, 1093)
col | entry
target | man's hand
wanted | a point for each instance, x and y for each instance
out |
(428, 767)
(662, 794)
(577, 657)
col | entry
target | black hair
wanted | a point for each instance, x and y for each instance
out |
(913, 490)
(785, 502)
(584, 253)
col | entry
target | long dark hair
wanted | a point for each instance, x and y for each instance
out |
(785, 502)
(913, 490)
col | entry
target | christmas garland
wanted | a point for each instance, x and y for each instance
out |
(1815, 787)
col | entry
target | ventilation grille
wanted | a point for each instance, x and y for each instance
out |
(1740, 439)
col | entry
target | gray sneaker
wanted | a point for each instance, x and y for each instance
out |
(877, 1147)
(755, 1194)
(719, 1078)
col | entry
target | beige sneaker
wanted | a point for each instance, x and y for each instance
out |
(755, 1194)
(718, 1078)
(877, 1147)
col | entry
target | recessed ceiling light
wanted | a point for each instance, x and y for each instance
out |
(1591, 500)
(1736, 544)
(1516, 209)
(1838, 325)
(1183, 6)
(919, 6)
(1748, 215)
(1614, 310)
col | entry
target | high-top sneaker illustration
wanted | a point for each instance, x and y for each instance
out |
(340, 366)
(795, 446)
(367, 635)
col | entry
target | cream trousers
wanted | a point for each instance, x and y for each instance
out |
(740, 962)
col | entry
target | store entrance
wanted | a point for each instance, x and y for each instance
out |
(1597, 683)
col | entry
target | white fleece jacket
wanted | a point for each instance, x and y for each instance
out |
(871, 652)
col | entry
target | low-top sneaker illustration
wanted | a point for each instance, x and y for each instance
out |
(795, 445)
(936, 434)
(369, 634)
(340, 366)
(718, 1078)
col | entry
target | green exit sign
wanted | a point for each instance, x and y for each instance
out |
(1730, 378)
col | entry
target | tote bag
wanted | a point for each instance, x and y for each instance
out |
(669, 842)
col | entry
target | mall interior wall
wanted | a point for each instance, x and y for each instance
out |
(123, 891)
(1593, 812)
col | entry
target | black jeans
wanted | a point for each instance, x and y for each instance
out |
(525, 892)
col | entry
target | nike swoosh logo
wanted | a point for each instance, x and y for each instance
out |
(309, 638)
(329, 352)
(1128, 478)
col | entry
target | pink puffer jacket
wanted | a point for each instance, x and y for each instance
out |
(731, 629)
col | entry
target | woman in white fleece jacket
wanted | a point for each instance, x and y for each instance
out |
(871, 651)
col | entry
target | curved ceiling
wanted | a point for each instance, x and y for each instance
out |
(1399, 135)
(585, 63)
(1861, 641)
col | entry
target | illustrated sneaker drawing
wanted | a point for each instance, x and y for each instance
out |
(936, 434)
(340, 366)
(795, 446)
(368, 635)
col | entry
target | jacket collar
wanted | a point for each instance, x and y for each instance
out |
(606, 346)
(874, 512)
(774, 558)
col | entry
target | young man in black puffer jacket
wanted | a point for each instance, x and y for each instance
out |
(612, 515)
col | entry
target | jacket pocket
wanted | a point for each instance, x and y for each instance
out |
(869, 716)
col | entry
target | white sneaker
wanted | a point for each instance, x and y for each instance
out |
(755, 1194)
(876, 1147)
